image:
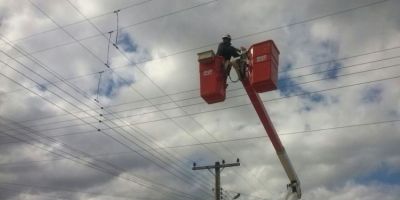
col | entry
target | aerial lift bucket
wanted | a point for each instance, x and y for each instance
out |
(212, 77)
(263, 66)
(262, 76)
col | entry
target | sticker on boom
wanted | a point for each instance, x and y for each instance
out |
(207, 72)
(261, 58)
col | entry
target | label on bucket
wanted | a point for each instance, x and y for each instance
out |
(207, 72)
(261, 58)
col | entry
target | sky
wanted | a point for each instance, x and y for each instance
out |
(83, 119)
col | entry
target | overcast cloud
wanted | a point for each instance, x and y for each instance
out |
(72, 128)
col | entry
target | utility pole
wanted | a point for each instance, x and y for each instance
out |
(217, 168)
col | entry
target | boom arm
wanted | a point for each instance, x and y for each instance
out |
(255, 99)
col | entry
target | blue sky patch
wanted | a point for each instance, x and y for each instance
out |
(332, 70)
(372, 95)
(329, 51)
(288, 87)
(382, 175)
(127, 43)
(110, 85)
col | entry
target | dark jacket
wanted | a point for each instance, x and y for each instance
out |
(226, 50)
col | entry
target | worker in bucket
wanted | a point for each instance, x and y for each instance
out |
(226, 50)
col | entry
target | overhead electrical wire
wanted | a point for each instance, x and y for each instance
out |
(239, 37)
(88, 163)
(173, 163)
(324, 62)
(248, 104)
(139, 101)
(131, 25)
(193, 104)
(81, 21)
(129, 140)
(95, 57)
(50, 129)
(56, 189)
(110, 136)
(157, 86)
(126, 138)
(128, 59)
(78, 116)
(288, 78)
(228, 140)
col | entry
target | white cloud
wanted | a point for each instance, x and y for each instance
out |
(328, 162)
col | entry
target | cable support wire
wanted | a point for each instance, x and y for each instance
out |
(240, 139)
(189, 105)
(50, 129)
(83, 159)
(196, 48)
(213, 44)
(188, 170)
(58, 189)
(307, 93)
(65, 190)
(100, 59)
(108, 49)
(83, 120)
(138, 23)
(139, 101)
(126, 138)
(110, 136)
(116, 36)
(98, 87)
(95, 57)
(32, 92)
(126, 57)
(264, 101)
(81, 21)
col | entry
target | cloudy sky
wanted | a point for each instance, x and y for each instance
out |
(73, 128)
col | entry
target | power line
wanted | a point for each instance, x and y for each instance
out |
(84, 162)
(139, 101)
(345, 58)
(157, 86)
(150, 112)
(129, 26)
(126, 138)
(110, 136)
(52, 188)
(162, 161)
(67, 111)
(280, 98)
(239, 37)
(324, 71)
(89, 98)
(81, 21)
(237, 139)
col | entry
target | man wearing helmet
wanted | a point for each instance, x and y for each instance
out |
(226, 50)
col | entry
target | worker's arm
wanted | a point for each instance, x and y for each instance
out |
(234, 52)
(220, 49)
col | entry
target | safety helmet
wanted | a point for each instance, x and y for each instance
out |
(227, 36)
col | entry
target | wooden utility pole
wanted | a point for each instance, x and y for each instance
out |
(217, 168)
